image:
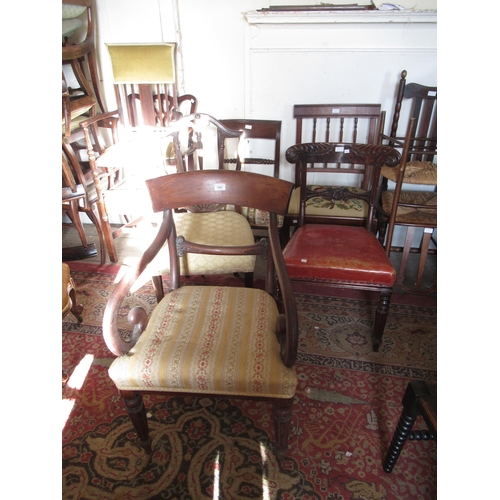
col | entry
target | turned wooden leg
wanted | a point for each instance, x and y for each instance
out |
(282, 421)
(414, 391)
(383, 304)
(137, 413)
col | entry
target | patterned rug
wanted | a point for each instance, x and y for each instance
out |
(346, 409)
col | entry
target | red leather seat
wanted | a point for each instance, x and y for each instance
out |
(338, 254)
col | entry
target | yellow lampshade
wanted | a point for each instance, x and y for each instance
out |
(143, 63)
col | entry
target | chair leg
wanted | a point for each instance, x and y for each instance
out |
(424, 248)
(102, 245)
(158, 287)
(137, 413)
(383, 304)
(410, 231)
(282, 421)
(410, 412)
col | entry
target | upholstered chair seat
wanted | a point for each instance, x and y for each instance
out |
(354, 256)
(175, 352)
(350, 207)
(224, 228)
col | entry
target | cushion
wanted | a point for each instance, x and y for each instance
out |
(352, 207)
(324, 253)
(70, 25)
(413, 215)
(416, 172)
(71, 11)
(225, 228)
(207, 339)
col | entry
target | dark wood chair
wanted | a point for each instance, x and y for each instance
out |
(81, 56)
(209, 340)
(409, 192)
(336, 255)
(256, 150)
(344, 123)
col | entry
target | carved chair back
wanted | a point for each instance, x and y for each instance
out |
(350, 123)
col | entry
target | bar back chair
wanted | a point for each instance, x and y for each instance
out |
(196, 143)
(210, 341)
(409, 192)
(256, 150)
(337, 255)
(343, 123)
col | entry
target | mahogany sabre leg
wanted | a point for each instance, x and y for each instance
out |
(381, 313)
(282, 420)
(137, 413)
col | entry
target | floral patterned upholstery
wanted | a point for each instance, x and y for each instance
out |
(177, 348)
(225, 228)
(319, 206)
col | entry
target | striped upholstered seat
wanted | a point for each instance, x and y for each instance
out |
(176, 351)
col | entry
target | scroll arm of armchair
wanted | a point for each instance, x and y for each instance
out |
(137, 315)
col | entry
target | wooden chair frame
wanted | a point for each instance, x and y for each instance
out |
(210, 187)
(322, 273)
(342, 123)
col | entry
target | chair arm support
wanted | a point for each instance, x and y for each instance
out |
(287, 327)
(104, 119)
(136, 316)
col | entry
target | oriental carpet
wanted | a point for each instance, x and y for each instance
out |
(346, 408)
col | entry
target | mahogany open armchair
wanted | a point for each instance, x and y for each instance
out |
(209, 340)
(342, 256)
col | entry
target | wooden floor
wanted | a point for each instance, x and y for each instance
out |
(132, 243)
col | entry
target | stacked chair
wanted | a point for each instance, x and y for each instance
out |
(411, 202)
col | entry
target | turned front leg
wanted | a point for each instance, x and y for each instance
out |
(137, 413)
(282, 421)
(383, 303)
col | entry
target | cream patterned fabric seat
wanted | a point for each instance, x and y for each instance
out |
(202, 351)
(224, 228)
